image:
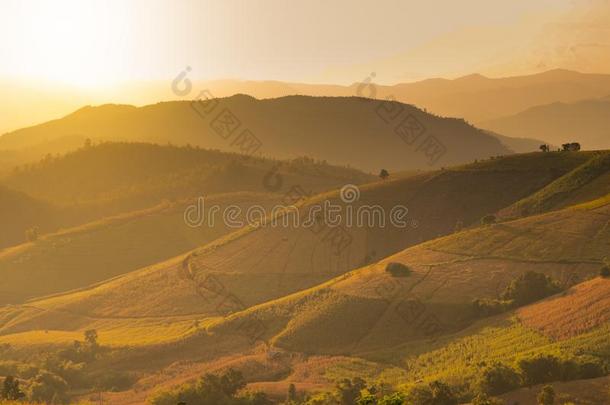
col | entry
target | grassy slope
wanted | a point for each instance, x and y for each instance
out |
(113, 178)
(140, 174)
(582, 392)
(448, 274)
(587, 182)
(459, 358)
(502, 338)
(271, 262)
(95, 252)
(353, 314)
(584, 307)
(19, 212)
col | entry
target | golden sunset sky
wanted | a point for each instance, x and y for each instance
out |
(57, 53)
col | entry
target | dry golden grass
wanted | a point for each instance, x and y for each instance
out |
(586, 182)
(578, 310)
(357, 312)
(582, 392)
(269, 263)
(91, 253)
(162, 298)
(114, 332)
(313, 302)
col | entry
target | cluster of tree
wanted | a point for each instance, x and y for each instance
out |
(106, 171)
(127, 176)
(435, 393)
(570, 147)
(566, 147)
(347, 392)
(114, 177)
(48, 388)
(545, 147)
(499, 378)
(50, 379)
(308, 161)
(44, 387)
(529, 287)
(398, 269)
(357, 392)
(525, 289)
(11, 390)
(212, 389)
(542, 368)
(494, 379)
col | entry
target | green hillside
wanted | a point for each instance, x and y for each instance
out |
(94, 252)
(137, 174)
(20, 212)
(113, 178)
(270, 262)
(448, 273)
(587, 182)
(263, 290)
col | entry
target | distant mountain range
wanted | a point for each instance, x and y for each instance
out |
(520, 145)
(367, 134)
(587, 122)
(474, 97)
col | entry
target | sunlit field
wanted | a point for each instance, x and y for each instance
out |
(294, 203)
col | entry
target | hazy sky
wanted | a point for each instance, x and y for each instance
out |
(58, 55)
(88, 43)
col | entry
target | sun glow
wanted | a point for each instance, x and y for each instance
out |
(75, 42)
